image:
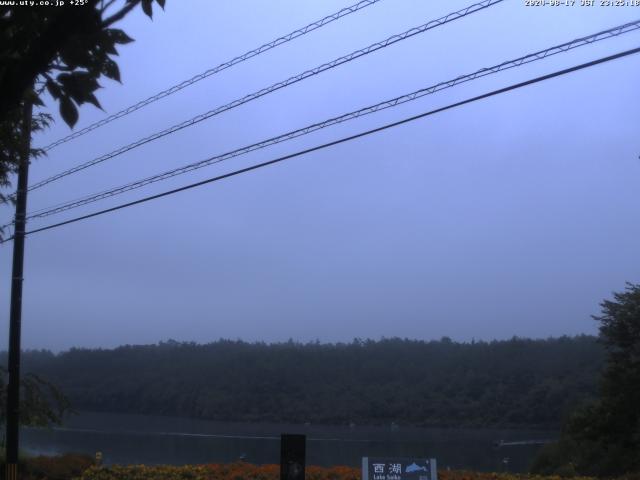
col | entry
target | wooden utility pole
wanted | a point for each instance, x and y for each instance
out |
(15, 319)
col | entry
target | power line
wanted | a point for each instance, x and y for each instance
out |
(276, 86)
(344, 139)
(532, 57)
(223, 66)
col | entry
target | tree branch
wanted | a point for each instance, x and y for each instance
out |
(121, 14)
(61, 68)
(104, 7)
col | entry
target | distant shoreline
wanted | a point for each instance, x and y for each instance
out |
(396, 383)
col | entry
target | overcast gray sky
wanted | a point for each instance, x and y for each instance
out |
(515, 215)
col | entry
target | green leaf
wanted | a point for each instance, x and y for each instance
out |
(54, 89)
(91, 98)
(108, 47)
(106, 42)
(118, 36)
(111, 70)
(79, 86)
(68, 111)
(146, 8)
(35, 98)
(75, 54)
(71, 87)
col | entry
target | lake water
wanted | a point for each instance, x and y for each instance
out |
(135, 439)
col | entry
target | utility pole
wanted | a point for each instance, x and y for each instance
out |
(15, 319)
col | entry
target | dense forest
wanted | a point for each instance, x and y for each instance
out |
(518, 382)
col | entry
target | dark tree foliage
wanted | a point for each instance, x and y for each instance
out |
(518, 382)
(69, 48)
(41, 403)
(604, 438)
(10, 136)
(59, 50)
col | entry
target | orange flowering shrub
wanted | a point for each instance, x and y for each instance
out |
(247, 471)
(468, 475)
(61, 467)
(231, 471)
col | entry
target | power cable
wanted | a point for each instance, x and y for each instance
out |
(532, 57)
(276, 86)
(223, 66)
(343, 140)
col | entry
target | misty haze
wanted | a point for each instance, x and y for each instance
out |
(385, 240)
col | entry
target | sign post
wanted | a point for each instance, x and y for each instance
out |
(15, 308)
(292, 457)
(387, 468)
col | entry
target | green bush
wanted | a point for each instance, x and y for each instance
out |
(555, 459)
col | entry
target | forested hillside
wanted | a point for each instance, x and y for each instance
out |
(518, 382)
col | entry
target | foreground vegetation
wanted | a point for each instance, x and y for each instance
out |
(518, 382)
(80, 467)
(243, 471)
(603, 438)
(62, 467)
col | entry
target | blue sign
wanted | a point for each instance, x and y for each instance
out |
(381, 468)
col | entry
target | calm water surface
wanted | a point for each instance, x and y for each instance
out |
(134, 439)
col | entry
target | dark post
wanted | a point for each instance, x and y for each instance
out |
(15, 319)
(292, 457)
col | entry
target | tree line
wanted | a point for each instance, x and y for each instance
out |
(512, 383)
